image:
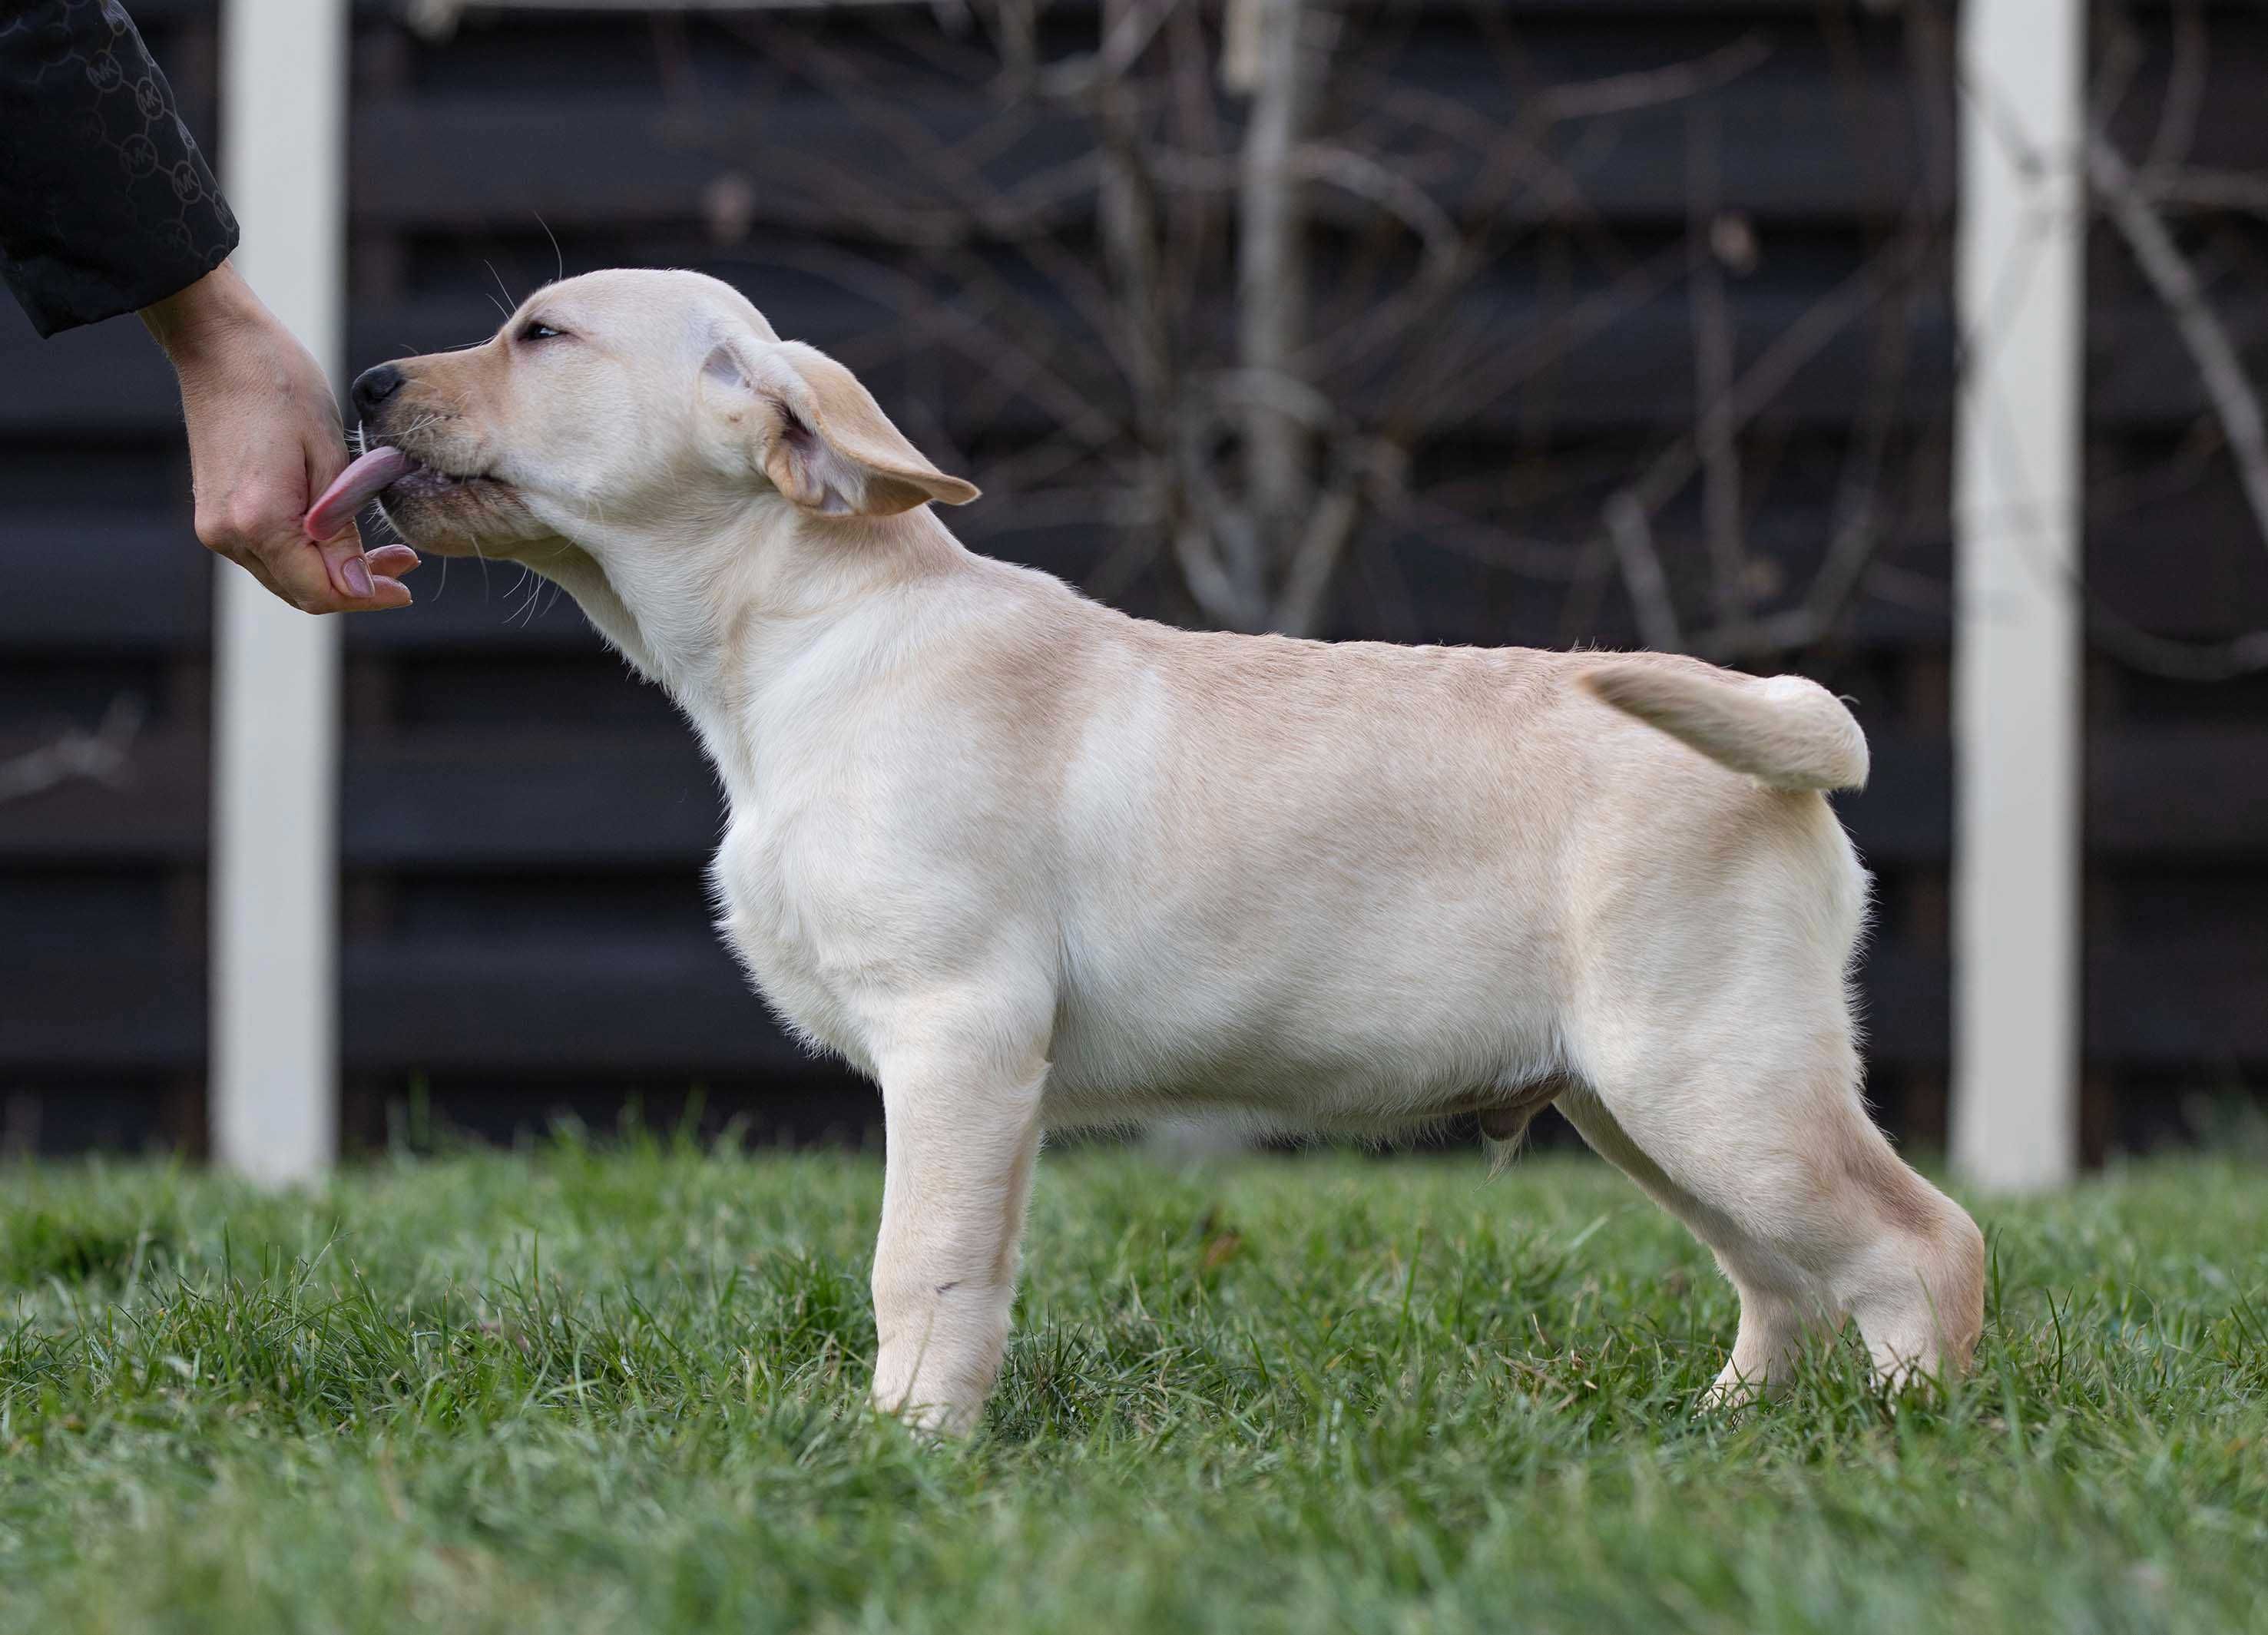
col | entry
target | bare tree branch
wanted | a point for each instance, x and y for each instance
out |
(2192, 189)
(1632, 536)
(1415, 320)
(2184, 100)
(1256, 484)
(1331, 526)
(2233, 401)
(1127, 30)
(1272, 268)
(101, 756)
(1712, 377)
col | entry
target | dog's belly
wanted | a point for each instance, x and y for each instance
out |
(1339, 1034)
(1306, 1026)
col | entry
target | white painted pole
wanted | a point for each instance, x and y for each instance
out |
(276, 680)
(2017, 635)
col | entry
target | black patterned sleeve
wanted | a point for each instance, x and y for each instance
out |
(106, 204)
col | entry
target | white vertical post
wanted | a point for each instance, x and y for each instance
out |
(2017, 635)
(275, 681)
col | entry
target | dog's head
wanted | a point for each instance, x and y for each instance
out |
(630, 404)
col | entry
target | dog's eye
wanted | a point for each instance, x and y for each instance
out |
(537, 330)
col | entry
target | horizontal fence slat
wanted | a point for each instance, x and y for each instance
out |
(1905, 815)
(513, 800)
(154, 812)
(142, 584)
(2187, 793)
(523, 800)
(2179, 1004)
(537, 799)
(662, 1005)
(1795, 145)
(598, 1005)
(605, 1005)
(1905, 1000)
(107, 379)
(1633, 371)
(93, 582)
(130, 1007)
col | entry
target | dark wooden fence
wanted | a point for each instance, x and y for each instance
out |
(524, 825)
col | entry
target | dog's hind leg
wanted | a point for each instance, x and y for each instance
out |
(1813, 1216)
(1712, 1031)
(1776, 1310)
(962, 1134)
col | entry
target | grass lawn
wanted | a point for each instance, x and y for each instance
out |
(572, 1390)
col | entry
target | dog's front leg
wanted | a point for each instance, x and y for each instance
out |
(962, 1135)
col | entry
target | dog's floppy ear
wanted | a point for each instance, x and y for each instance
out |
(821, 438)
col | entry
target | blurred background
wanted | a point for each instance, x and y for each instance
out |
(1544, 321)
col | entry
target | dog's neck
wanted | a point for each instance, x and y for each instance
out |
(709, 614)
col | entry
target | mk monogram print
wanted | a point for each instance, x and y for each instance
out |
(106, 203)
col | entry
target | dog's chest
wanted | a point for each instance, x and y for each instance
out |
(762, 876)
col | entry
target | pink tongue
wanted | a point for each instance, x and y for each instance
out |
(354, 488)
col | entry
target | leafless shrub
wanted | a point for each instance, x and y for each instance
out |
(1248, 301)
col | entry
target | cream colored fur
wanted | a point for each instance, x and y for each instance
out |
(1028, 862)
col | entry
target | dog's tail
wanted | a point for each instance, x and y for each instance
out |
(1785, 731)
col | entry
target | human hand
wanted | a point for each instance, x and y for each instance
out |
(264, 440)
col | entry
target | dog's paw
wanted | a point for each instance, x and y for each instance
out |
(1731, 1390)
(931, 1422)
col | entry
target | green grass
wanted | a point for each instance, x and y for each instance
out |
(570, 1390)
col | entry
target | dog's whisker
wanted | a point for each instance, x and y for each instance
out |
(507, 306)
(557, 255)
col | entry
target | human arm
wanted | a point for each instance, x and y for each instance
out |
(107, 206)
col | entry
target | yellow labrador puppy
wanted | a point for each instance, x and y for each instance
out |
(1028, 862)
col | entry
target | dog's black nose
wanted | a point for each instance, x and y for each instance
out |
(373, 387)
